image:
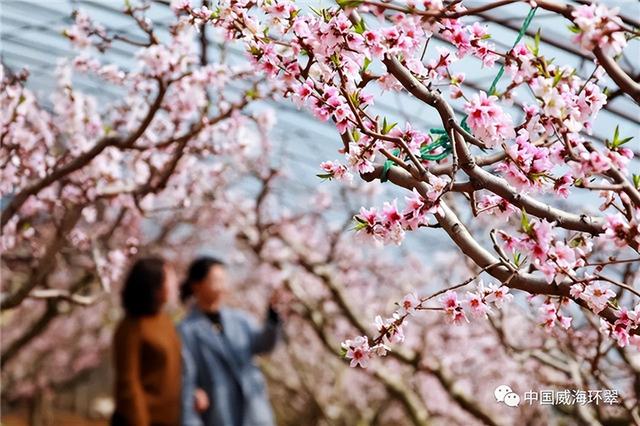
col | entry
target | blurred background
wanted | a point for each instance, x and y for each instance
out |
(56, 363)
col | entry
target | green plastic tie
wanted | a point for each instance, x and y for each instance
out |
(523, 30)
(387, 165)
(443, 141)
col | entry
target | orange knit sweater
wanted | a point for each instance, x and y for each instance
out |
(148, 371)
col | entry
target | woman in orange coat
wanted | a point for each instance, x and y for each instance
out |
(147, 350)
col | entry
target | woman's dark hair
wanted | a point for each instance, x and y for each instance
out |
(198, 270)
(140, 292)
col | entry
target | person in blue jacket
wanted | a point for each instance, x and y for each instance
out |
(221, 384)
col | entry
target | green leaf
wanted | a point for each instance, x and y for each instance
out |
(355, 98)
(325, 176)
(617, 142)
(366, 64)
(519, 259)
(343, 352)
(636, 181)
(360, 27)
(252, 94)
(530, 47)
(625, 140)
(316, 11)
(544, 68)
(386, 127)
(535, 47)
(355, 135)
(574, 29)
(557, 78)
(255, 50)
(576, 242)
(524, 222)
(360, 223)
(349, 4)
(536, 41)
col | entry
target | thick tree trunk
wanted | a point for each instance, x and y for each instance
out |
(41, 410)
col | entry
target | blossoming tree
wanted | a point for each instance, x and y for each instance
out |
(85, 187)
(334, 283)
(520, 164)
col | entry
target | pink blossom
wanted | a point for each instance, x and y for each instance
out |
(576, 290)
(599, 26)
(281, 9)
(180, 5)
(548, 315)
(409, 303)
(436, 186)
(511, 243)
(380, 349)
(413, 138)
(561, 185)
(627, 318)
(369, 215)
(362, 163)
(302, 93)
(452, 308)
(78, 34)
(526, 164)
(478, 30)
(379, 323)
(396, 332)
(390, 83)
(565, 321)
(598, 162)
(617, 229)
(597, 296)
(391, 327)
(390, 212)
(543, 231)
(621, 335)
(553, 101)
(476, 305)
(498, 206)
(336, 170)
(415, 209)
(564, 256)
(547, 268)
(487, 120)
(521, 69)
(498, 295)
(358, 351)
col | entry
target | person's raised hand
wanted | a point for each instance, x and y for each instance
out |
(276, 297)
(201, 400)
